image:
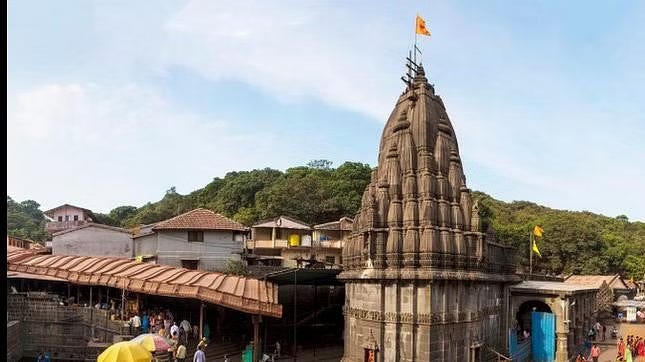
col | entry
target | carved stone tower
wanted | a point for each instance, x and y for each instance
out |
(422, 283)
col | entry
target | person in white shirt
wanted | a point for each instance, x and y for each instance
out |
(135, 322)
(174, 330)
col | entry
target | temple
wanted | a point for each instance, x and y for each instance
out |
(422, 280)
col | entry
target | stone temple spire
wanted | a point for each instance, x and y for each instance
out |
(416, 211)
(422, 283)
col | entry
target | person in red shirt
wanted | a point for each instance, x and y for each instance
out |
(595, 353)
(621, 348)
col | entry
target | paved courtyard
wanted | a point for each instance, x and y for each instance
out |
(608, 348)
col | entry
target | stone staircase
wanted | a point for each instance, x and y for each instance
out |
(215, 351)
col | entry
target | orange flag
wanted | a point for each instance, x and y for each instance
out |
(421, 27)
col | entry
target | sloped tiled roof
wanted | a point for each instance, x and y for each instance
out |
(200, 219)
(48, 212)
(91, 224)
(283, 222)
(614, 281)
(244, 294)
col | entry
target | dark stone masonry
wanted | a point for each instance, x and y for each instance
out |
(422, 280)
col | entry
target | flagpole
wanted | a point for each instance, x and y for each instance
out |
(530, 253)
(415, 39)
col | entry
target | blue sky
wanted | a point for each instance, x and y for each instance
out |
(113, 102)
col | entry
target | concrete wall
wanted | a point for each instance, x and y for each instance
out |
(93, 241)
(62, 331)
(218, 247)
(145, 245)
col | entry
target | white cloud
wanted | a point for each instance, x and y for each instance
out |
(101, 147)
(290, 49)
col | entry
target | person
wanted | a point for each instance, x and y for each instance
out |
(203, 343)
(604, 332)
(226, 358)
(580, 358)
(199, 354)
(591, 334)
(526, 334)
(621, 348)
(135, 322)
(180, 353)
(628, 354)
(595, 353)
(174, 329)
(162, 331)
(145, 323)
(40, 358)
(277, 348)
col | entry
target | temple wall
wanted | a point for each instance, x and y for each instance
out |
(441, 320)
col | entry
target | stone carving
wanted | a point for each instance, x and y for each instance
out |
(418, 236)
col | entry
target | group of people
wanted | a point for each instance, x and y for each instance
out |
(632, 349)
(178, 333)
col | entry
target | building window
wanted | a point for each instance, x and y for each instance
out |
(66, 217)
(196, 236)
(330, 259)
(75, 217)
(190, 264)
(60, 218)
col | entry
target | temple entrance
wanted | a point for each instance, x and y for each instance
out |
(523, 315)
(536, 325)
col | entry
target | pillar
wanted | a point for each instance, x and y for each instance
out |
(256, 336)
(201, 320)
(562, 352)
(273, 236)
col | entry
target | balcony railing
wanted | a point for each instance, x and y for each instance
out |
(280, 243)
(54, 226)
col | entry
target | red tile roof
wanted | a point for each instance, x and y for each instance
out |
(200, 219)
(244, 294)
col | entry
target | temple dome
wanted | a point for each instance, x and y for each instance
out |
(417, 205)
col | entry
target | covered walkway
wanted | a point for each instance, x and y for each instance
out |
(243, 294)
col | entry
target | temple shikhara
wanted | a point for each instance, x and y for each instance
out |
(423, 281)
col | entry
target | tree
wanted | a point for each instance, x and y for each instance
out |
(320, 164)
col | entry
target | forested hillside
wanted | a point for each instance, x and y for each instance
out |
(574, 242)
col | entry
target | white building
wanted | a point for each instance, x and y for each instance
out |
(198, 239)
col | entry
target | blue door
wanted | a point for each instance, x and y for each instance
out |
(542, 337)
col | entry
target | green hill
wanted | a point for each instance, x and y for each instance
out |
(574, 242)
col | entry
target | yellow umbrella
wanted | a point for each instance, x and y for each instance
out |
(125, 352)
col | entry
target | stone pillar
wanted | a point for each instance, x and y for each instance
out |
(562, 352)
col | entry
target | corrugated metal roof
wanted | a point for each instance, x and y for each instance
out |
(240, 293)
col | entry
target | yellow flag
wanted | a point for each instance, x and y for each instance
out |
(421, 27)
(538, 231)
(535, 249)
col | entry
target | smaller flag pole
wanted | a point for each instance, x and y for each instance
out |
(415, 39)
(530, 253)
